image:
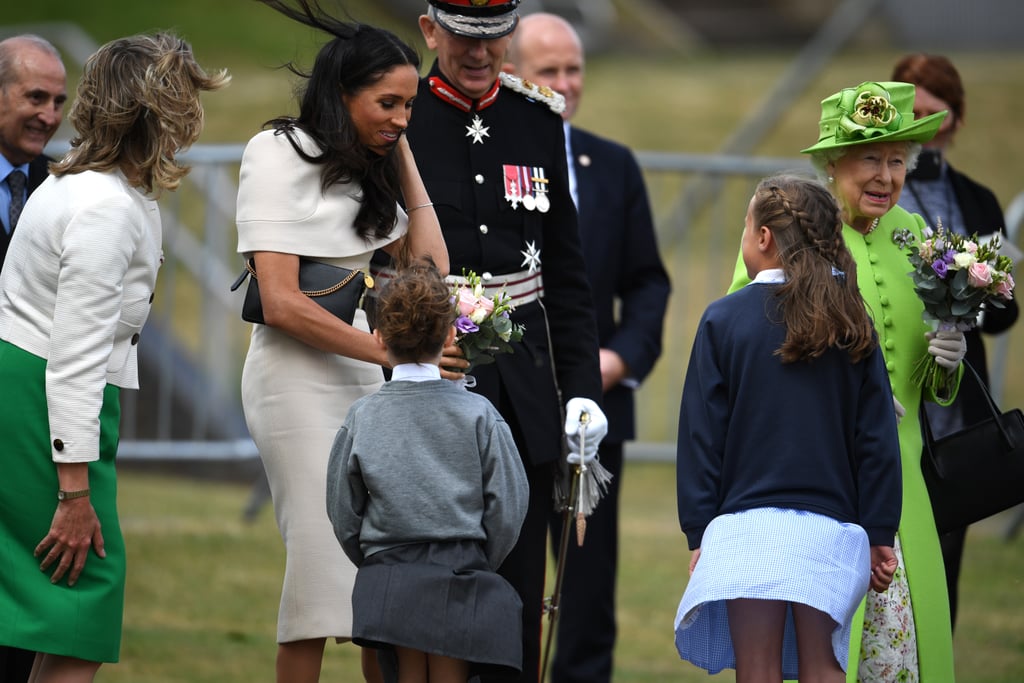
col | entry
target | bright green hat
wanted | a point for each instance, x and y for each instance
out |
(872, 112)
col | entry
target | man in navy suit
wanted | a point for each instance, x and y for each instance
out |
(32, 95)
(627, 277)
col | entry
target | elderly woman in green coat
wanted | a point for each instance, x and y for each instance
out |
(868, 141)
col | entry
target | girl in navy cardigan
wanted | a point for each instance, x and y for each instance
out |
(788, 460)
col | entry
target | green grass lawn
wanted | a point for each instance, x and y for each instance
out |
(203, 587)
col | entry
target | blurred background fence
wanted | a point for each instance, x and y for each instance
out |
(195, 342)
(188, 409)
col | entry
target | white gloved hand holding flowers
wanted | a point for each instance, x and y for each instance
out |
(947, 347)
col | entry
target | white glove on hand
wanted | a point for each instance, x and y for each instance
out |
(900, 410)
(947, 347)
(596, 428)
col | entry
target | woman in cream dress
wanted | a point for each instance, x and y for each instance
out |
(324, 185)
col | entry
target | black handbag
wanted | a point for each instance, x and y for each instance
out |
(978, 471)
(339, 290)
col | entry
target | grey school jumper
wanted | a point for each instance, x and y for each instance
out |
(420, 462)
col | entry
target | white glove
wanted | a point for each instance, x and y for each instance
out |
(900, 410)
(595, 429)
(947, 347)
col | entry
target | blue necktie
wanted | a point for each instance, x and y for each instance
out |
(16, 181)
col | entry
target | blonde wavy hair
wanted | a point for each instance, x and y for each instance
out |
(136, 106)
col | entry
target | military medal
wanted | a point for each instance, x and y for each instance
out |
(519, 186)
(478, 131)
(526, 187)
(531, 257)
(513, 186)
(540, 187)
(543, 203)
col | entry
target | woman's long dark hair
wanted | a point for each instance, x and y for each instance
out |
(358, 56)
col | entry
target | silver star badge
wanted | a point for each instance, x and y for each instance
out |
(531, 257)
(478, 131)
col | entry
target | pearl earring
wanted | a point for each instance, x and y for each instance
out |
(831, 180)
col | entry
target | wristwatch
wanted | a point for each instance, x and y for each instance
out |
(69, 495)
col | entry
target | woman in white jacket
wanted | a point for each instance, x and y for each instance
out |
(74, 294)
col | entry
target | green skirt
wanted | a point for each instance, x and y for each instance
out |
(82, 621)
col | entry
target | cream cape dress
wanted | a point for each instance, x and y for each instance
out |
(296, 397)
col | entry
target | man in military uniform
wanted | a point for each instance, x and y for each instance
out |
(631, 290)
(491, 151)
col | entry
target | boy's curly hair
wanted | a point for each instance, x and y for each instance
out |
(415, 311)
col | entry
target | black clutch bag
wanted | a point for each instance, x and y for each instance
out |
(339, 290)
(978, 471)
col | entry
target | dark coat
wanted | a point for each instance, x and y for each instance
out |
(755, 432)
(625, 271)
(37, 173)
(485, 233)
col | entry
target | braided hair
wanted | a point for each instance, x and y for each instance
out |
(820, 303)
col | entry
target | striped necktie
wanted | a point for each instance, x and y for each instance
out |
(16, 181)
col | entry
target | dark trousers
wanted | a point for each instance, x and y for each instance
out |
(952, 554)
(15, 664)
(586, 612)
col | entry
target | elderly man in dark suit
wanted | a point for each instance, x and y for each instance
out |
(627, 276)
(32, 94)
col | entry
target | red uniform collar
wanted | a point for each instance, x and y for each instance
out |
(449, 94)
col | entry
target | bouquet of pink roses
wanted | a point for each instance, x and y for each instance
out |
(484, 327)
(955, 277)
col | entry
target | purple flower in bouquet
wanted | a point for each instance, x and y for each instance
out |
(955, 277)
(465, 325)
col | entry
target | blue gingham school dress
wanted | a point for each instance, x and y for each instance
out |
(772, 554)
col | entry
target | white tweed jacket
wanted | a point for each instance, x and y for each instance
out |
(76, 289)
